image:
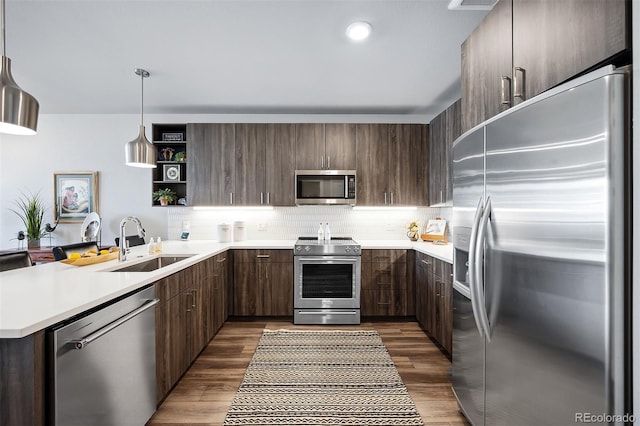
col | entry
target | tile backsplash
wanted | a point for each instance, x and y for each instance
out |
(288, 223)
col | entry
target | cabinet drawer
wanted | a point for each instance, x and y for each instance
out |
(262, 255)
(384, 256)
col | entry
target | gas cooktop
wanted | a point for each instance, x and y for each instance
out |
(310, 246)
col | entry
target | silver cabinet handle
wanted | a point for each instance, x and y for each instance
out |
(518, 83)
(385, 198)
(231, 198)
(479, 258)
(268, 198)
(391, 197)
(322, 162)
(425, 262)
(82, 343)
(328, 162)
(505, 91)
(224, 259)
(472, 259)
(194, 294)
(263, 256)
(262, 198)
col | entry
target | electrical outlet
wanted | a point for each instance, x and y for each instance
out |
(262, 226)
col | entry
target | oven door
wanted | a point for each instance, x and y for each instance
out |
(329, 282)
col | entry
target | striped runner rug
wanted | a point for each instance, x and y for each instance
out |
(322, 378)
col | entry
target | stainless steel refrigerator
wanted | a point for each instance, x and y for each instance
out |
(540, 201)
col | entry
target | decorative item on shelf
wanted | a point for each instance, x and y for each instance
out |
(164, 196)
(172, 137)
(140, 152)
(31, 212)
(436, 231)
(167, 153)
(171, 172)
(180, 157)
(413, 228)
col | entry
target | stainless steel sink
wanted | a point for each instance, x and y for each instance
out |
(151, 264)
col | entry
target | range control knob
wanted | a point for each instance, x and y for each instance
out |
(298, 248)
(347, 249)
(307, 248)
(356, 249)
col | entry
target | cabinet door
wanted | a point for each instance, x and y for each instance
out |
(340, 146)
(280, 162)
(486, 59)
(250, 148)
(247, 289)
(211, 171)
(407, 164)
(372, 164)
(556, 40)
(310, 146)
(446, 308)
(220, 277)
(437, 135)
(280, 279)
(422, 307)
(453, 129)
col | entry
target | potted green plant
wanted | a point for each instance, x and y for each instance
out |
(165, 196)
(31, 211)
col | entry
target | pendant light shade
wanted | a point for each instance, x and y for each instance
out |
(140, 152)
(18, 109)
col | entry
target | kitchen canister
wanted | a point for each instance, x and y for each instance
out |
(224, 233)
(239, 231)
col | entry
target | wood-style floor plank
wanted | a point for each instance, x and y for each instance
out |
(203, 396)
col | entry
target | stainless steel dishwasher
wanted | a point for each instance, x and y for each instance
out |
(104, 365)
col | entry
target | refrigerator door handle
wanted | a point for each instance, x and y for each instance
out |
(478, 269)
(472, 259)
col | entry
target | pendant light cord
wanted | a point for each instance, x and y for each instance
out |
(142, 103)
(4, 35)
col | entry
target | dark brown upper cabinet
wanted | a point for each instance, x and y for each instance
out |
(329, 146)
(211, 172)
(524, 47)
(443, 130)
(391, 164)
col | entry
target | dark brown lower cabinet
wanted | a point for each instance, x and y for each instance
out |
(263, 282)
(387, 283)
(434, 287)
(22, 380)
(192, 309)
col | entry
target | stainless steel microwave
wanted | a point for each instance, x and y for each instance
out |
(325, 187)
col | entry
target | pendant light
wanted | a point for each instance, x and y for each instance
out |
(18, 109)
(140, 152)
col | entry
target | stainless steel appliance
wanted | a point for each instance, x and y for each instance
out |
(104, 365)
(325, 187)
(326, 281)
(540, 239)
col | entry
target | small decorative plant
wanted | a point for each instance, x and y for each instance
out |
(165, 196)
(31, 212)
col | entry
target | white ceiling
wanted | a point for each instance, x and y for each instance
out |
(238, 56)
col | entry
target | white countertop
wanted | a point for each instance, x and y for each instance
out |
(32, 299)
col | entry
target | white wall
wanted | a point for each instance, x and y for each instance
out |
(96, 143)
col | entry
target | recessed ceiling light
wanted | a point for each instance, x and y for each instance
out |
(359, 30)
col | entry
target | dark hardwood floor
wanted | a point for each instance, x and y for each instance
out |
(204, 394)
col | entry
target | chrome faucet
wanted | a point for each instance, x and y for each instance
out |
(122, 246)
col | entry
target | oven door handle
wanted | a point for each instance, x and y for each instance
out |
(331, 259)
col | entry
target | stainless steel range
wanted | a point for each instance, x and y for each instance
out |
(326, 281)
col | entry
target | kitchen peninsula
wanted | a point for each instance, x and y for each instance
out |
(34, 299)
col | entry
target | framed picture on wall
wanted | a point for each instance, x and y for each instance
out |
(76, 195)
